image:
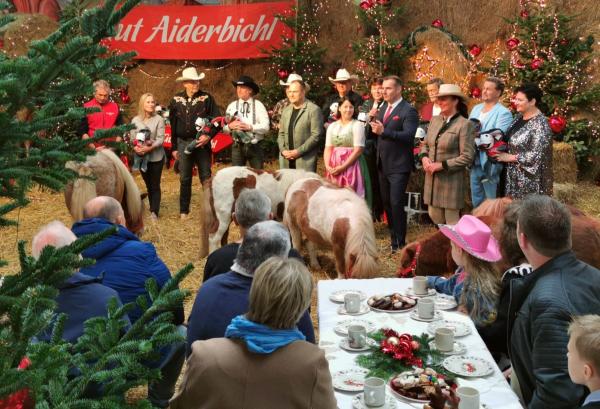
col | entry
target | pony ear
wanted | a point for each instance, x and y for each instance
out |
(407, 254)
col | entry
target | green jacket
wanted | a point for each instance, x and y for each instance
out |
(308, 131)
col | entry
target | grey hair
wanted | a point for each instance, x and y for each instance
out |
(280, 293)
(102, 84)
(252, 206)
(436, 81)
(54, 234)
(103, 207)
(263, 240)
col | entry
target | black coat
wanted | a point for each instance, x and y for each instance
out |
(395, 145)
(540, 310)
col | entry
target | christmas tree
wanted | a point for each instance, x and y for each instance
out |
(39, 96)
(542, 49)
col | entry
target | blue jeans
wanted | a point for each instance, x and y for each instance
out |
(161, 391)
(484, 186)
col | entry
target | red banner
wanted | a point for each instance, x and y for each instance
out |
(202, 32)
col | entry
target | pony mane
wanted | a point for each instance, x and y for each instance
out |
(83, 189)
(132, 192)
(492, 207)
(361, 243)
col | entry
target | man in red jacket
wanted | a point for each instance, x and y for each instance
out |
(108, 117)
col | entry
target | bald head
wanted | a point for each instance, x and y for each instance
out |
(53, 234)
(104, 207)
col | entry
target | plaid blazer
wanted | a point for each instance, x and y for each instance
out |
(454, 146)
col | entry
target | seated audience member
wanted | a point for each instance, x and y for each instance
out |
(494, 335)
(542, 304)
(583, 356)
(126, 263)
(475, 285)
(263, 361)
(252, 206)
(224, 297)
(80, 297)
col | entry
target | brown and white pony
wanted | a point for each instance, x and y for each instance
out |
(431, 255)
(103, 174)
(332, 217)
(224, 189)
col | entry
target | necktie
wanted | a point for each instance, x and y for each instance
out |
(245, 108)
(388, 111)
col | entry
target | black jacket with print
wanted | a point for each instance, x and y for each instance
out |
(183, 112)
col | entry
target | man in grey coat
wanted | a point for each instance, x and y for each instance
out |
(542, 304)
(300, 130)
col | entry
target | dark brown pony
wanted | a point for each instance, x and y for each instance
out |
(431, 255)
(103, 174)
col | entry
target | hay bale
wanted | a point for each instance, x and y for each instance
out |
(564, 164)
(23, 30)
(565, 193)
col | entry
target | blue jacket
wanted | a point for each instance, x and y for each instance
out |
(498, 118)
(125, 261)
(81, 297)
(221, 299)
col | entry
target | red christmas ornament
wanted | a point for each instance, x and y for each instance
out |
(476, 92)
(474, 50)
(557, 123)
(366, 96)
(513, 106)
(536, 63)
(564, 41)
(524, 13)
(437, 23)
(366, 4)
(398, 46)
(512, 43)
(124, 95)
(282, 74)
(383, 2)
(415, 345)
(519, 64)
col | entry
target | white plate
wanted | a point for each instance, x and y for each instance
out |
(338, 296)
(410, 293)
(436, 316)
(460, 328)
(364, 308)
(459, 348)
(344, 344)
(468, 365)
(395, 311)
(445, 302)
(342, 327)
(350, 380)
(399, 396)
(358, 402)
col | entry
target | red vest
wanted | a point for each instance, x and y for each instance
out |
(104, 119)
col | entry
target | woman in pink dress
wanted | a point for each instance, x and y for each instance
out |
(344, 144)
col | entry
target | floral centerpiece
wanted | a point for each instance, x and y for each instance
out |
(396, 353)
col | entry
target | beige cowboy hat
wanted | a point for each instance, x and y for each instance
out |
(343, 75)
(190, 74)
(451, 90)
(294, 77)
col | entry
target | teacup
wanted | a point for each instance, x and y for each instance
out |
(468, 397)
(426, 308)
(357, 336)
(352, 303)
(444, 339)
(420, 285)
(374, 392)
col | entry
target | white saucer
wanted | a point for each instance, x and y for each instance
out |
(445, 302)
(459, 348)
(342, 327)
(349, 380)
(358, 402)
(364, 308)
(460, 328)
(410, 293)
(338, 296)
(471, 366)
(344, 344)
(436, 316)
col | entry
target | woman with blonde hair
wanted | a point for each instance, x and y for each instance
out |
(263, 361)
(150, 150)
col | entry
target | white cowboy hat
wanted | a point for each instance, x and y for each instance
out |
(190, 74)
(451, 90)
(343, 75)
(294, 77)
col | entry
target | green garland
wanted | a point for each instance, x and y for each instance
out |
(385, 366)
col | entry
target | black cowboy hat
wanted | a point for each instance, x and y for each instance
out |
(248, 82)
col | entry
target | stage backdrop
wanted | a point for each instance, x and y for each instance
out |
(202, 32)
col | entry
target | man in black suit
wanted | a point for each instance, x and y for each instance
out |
(394, 127)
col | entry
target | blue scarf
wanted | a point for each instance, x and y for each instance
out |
(259, 338)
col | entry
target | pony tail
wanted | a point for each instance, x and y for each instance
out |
(132, 192)
(361, 250)
(83, 190)
(209, 223)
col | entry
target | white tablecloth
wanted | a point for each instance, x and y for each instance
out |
(495, 391)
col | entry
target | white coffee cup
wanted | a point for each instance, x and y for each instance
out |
(420, 285)
(357, 336)
(469, 397)
(426, 308)
(374, 392)
(444, 339)
(352, 303)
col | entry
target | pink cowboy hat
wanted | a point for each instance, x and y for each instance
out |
(473, 236)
